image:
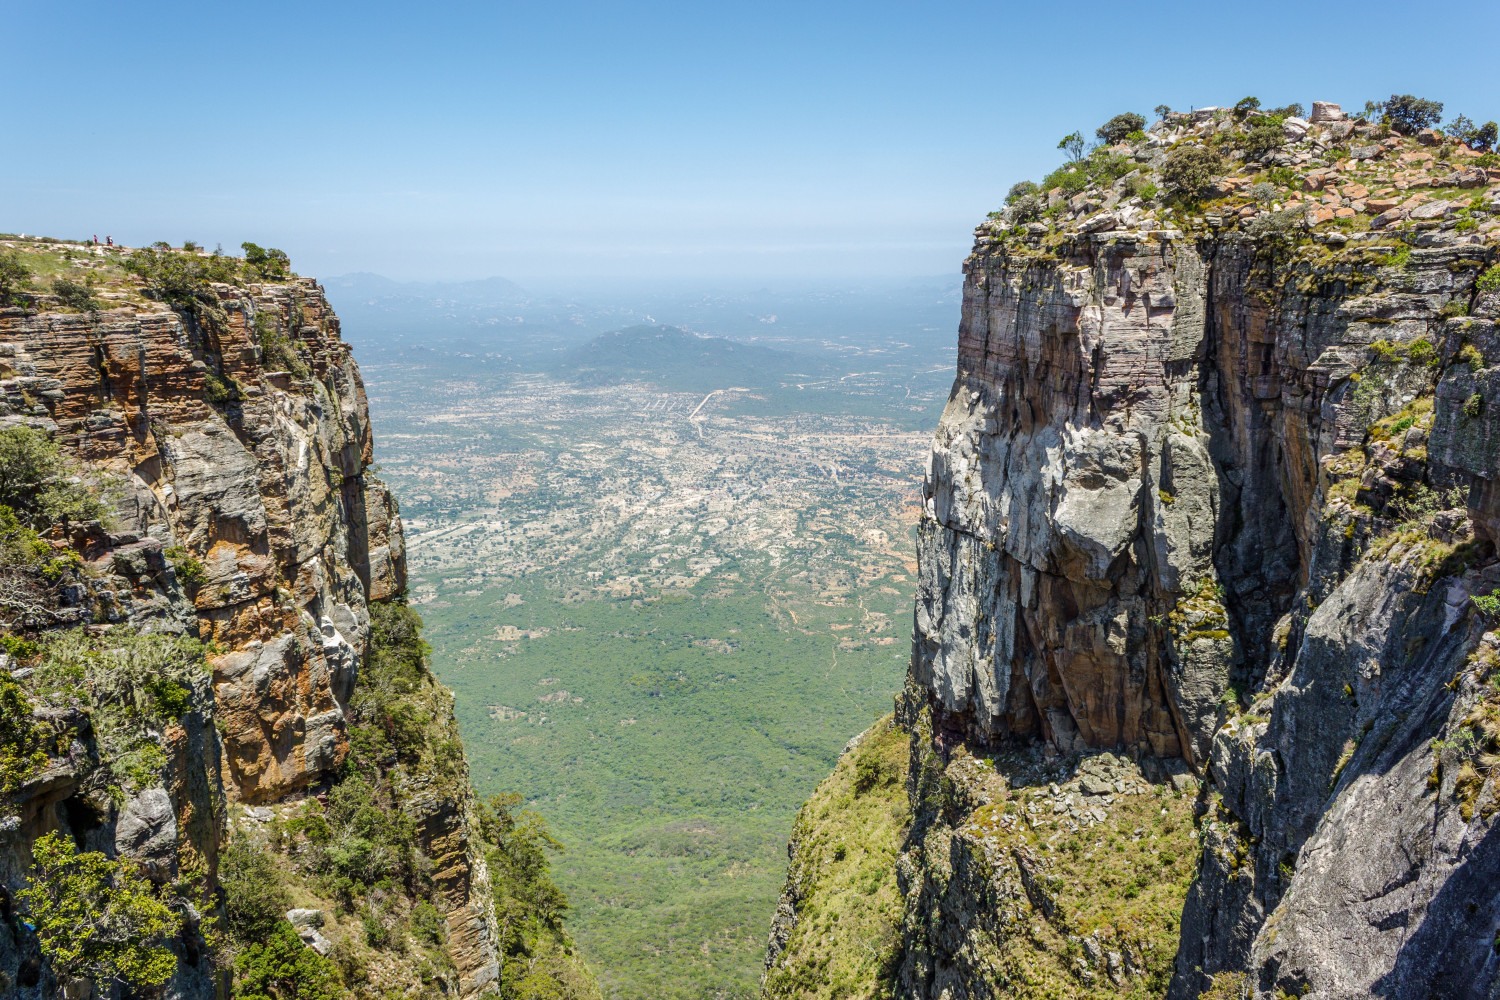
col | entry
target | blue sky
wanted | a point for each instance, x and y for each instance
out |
(660, 143)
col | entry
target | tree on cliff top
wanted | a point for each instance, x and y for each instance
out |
(1190, 170)
(1119, 127)
(266, 263)
(13, 276)
(1408, 114)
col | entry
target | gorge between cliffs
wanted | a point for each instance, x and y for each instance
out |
(1203, 693)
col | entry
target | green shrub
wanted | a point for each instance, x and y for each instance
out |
(1265, 137)
(184, 282)
(428, 925)
(1489, 281)
(36, 482)
(1409, 115)
(266, 263)
(1190, 170)
(1293, 110)
(14, 274)
(1244, 106)
(1119, 127)
(1399, 257)
(23, 746)
(216, 390)
(188, 567)
(283, 968)
(1020, 190)
(1480, 138)
(1469, 355)
(255, 900)
(76, 294)
(20, 545)
(277, 352)
(1473, 406)
(95, 918)
(1421, 352)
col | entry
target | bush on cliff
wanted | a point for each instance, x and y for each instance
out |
(39, 484)
(255, 899)
(76, 294)
(1101, 167)
(96, 919)
(1190, 171)
(266, 263)
(13, 277)
(283, 968)
(1119, 127)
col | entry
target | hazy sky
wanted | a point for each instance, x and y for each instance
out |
(579, 141)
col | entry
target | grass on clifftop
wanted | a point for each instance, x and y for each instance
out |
(846, 840)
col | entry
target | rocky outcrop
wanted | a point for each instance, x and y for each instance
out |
(1217, 485)
(231, 434)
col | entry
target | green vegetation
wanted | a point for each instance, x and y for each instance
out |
(1408, 114)
(23, 746)
(670, 742)
(14, 275)
(188, 567)
(1489, 281)
(358, 848)
(283, 968)
(847, 838)
(1119, 127)
(133, 686)
(95, 918)
(277, 351)
(266, 263)
(1190, 171)
(1100, 167)
(255, 896)
(1072, 144)
(37, 483)
(1480, 138)
(537, 957)
(76, 294)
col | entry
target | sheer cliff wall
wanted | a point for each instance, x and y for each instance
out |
(245, 515)
(1205, 520)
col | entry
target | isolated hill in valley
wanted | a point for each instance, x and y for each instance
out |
(681, 360)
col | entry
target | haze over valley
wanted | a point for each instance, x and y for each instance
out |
(668, 574)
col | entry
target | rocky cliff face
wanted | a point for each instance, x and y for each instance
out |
(229, 427)
(1213, 492)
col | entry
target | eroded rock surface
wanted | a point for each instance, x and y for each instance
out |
(1213, 491)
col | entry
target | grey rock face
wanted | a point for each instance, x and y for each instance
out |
(146, 832)
(1143, 531)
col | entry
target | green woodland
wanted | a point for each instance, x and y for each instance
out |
(703, 725)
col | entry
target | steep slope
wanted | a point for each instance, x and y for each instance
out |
(193, 664)
(1213, 491)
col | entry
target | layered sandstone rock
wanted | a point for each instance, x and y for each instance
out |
(247, 517)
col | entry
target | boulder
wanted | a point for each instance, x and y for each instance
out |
(146, 832)
(1430, 210)
(1323, 111)
(1294, 129)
